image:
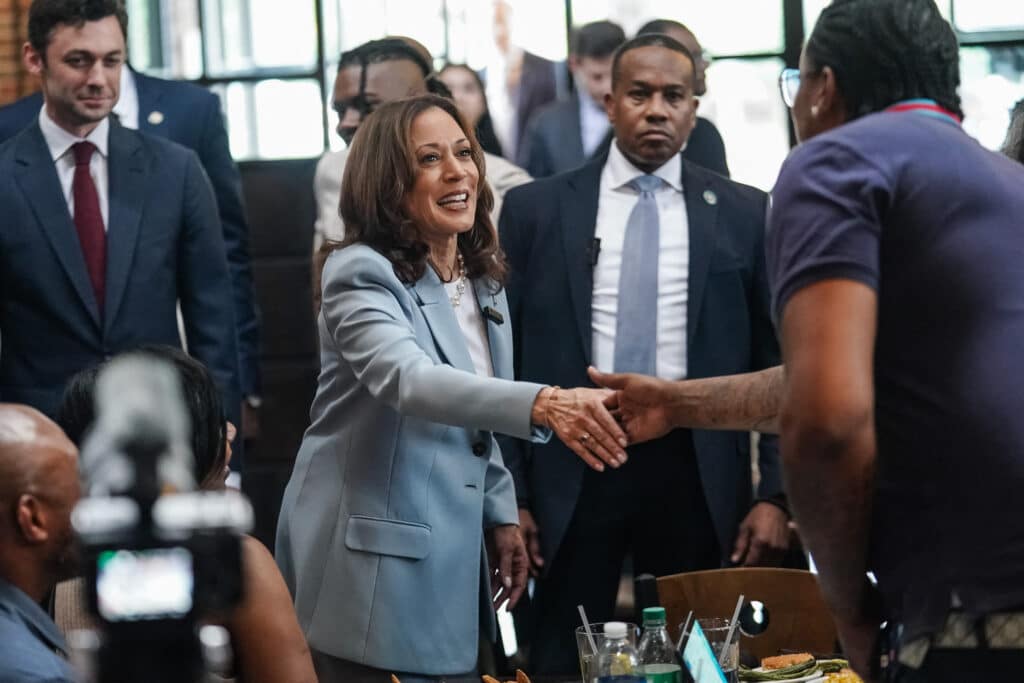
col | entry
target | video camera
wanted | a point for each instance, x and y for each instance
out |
(160, 556)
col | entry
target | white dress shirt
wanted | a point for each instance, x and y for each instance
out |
(615, 203)
(594, 125)
(474, 330)
(127, 107)
(59, 141)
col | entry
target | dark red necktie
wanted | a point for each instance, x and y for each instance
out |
(89, 220)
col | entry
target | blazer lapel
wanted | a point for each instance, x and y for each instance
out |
(437, 309)
(573, 133)
(498, 338)
(127, 195)
(38, 179)
(702, 216)
(579, 223)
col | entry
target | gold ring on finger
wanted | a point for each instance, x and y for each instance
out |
(584, 437)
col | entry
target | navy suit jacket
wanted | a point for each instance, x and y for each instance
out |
(547, 230)
(191, 116)
(164, 244)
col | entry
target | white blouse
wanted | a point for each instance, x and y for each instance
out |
(474, 329)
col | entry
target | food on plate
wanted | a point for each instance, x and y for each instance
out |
(782, 661)
(804, 668)
(844, 675)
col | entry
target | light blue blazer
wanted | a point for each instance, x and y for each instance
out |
(380, 537)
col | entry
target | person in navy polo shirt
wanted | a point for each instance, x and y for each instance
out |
(38, 488)
(896, 253)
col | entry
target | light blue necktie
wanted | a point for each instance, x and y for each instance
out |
(636, 325)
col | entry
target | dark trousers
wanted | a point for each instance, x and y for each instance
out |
(653, 507)
(964, 666)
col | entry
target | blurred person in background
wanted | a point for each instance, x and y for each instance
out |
(1013, 147)
(399, 526)
(564, 135)
(38, 489)
(639, 261)
(705, 146)
(468, 90)
(266, 640)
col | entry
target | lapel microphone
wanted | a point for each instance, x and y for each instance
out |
(494, 315)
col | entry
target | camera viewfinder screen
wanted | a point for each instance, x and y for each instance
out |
(137, 585)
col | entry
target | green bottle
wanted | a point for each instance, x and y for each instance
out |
(657, 655)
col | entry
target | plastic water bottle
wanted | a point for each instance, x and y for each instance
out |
(657, 652)
(617, 660)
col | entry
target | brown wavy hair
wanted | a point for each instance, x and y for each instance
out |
(380, 172)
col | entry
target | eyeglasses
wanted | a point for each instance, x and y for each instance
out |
(789, 85)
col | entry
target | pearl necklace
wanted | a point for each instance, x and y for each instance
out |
(460, 284)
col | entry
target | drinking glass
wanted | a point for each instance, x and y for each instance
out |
(716, 629)
(588, 658)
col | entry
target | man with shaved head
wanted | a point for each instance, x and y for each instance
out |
(38, 488)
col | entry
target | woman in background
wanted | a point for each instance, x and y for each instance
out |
(468, 89)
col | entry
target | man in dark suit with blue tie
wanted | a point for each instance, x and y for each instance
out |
(105, 229)
(643, 261)
(190, 116)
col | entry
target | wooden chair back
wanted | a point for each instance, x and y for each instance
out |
(798, 617)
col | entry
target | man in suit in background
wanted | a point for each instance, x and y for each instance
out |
(705, 146)
(647, 262)
(563, 135)
(190, 116)
(105, 229)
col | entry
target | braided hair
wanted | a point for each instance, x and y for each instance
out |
(886, 51)
(1014, 145)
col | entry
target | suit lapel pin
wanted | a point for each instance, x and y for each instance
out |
(710, 197)
(155, 118)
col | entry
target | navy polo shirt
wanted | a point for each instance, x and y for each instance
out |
(912, 207)
(29, 641)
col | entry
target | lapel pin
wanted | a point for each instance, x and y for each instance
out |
(155, 118)
(494, 315)
(710, 197)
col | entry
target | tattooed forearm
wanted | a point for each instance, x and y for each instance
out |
(747, 402)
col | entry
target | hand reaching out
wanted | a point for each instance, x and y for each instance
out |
(581, 419)
(643, 403)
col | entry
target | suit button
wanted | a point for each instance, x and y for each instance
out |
(479, 448)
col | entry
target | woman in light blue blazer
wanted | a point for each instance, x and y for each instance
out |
(398, 526)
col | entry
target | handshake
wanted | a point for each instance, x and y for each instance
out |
(598, 424)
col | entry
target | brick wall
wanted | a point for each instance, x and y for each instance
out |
(14, 82)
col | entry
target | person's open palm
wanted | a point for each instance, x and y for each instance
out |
(643, 406)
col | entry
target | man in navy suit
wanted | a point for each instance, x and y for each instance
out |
(190, 116)
(105, 229)
(563, 135)
(643, 261)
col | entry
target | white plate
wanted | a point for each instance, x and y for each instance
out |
(816, 676)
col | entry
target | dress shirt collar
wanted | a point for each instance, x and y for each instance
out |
(620, 171)
(127, 107)
(60, 141)
(33, 615)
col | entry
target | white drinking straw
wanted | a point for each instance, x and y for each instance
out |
(732, 630)
(586, 628)
(686, 625)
